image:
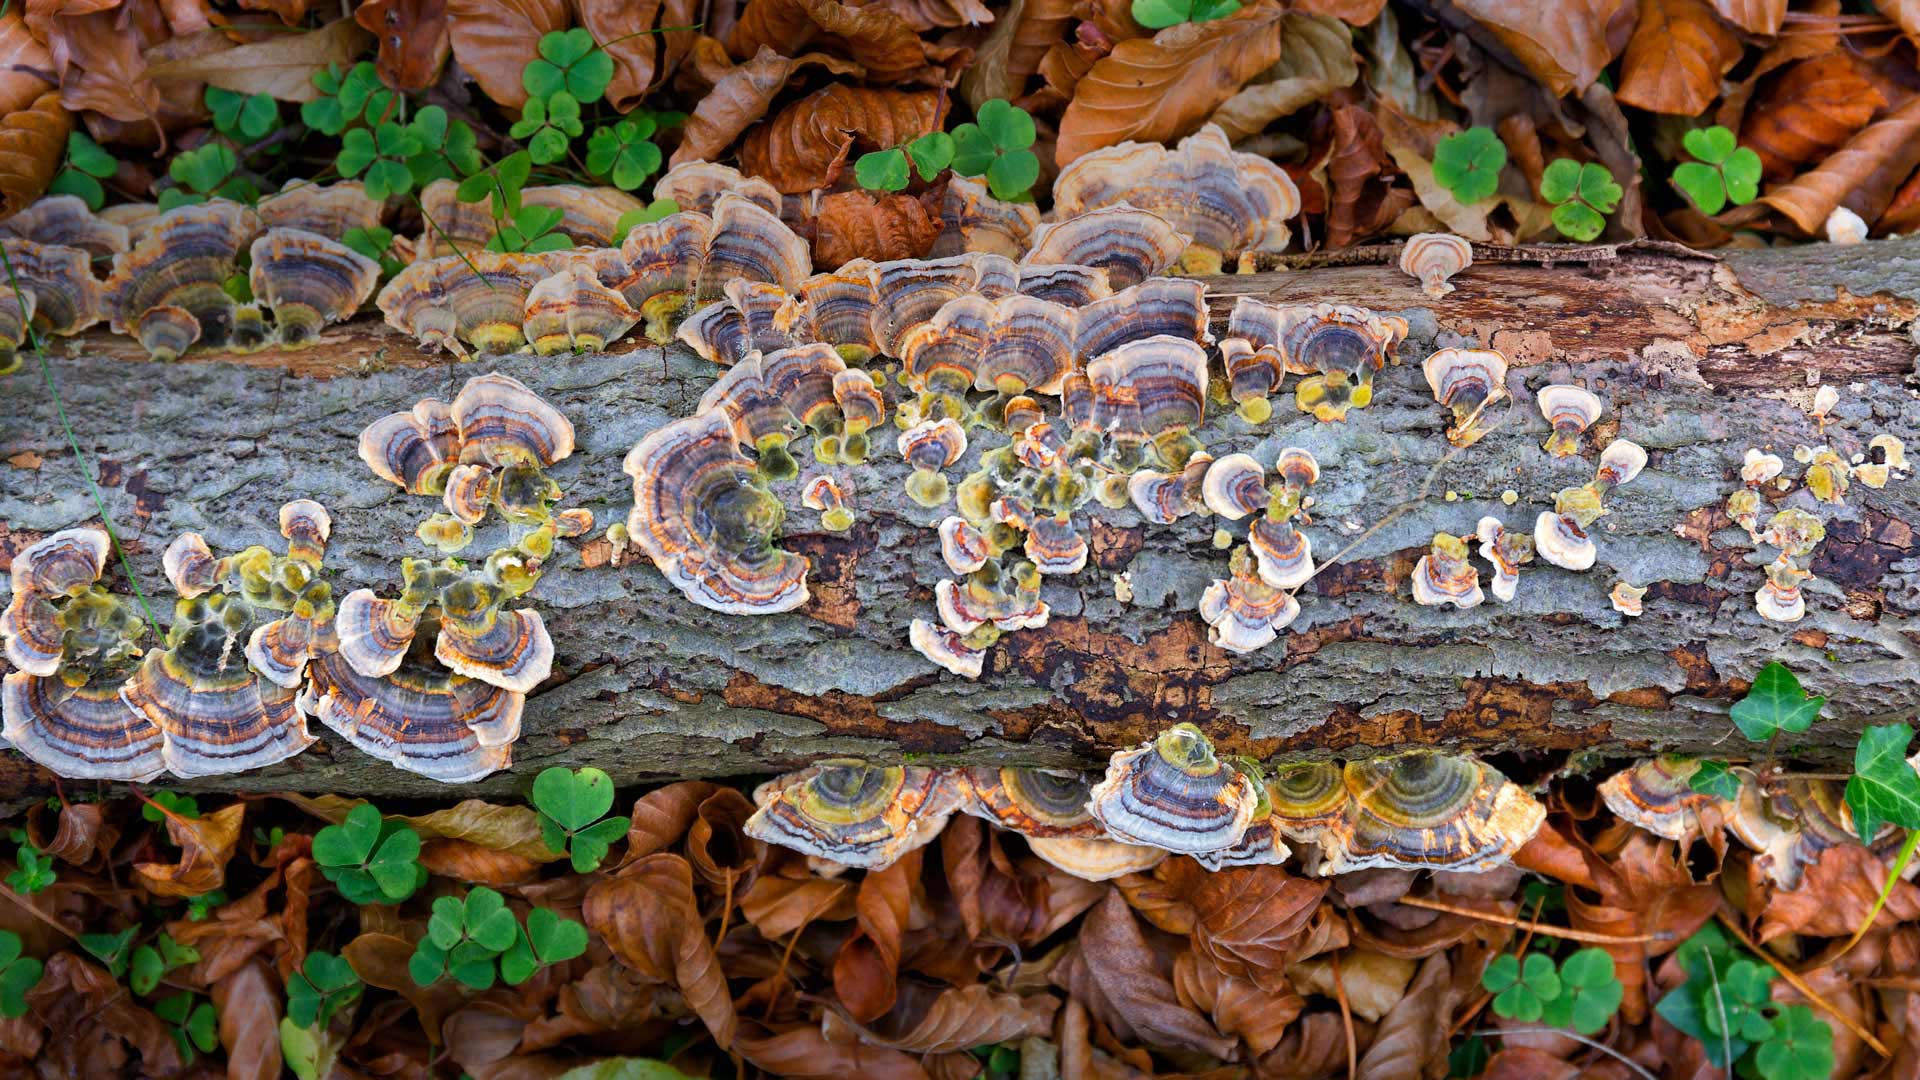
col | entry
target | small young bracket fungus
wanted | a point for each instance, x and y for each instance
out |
(1780, 598)
(1339, 348)
(572, 310)
(16, 312)
(985, 599)
(1174, 307)
(1242, 611)
(1563, 541)
(908, 292)
(1174, 793)
(1433, 259)
(1230, 203)
(1095, 859)
(1757, 468)
(751, 243)
(420, 718)
(1845, 227)
(698, 186)
(930, 447)
(171, 285)
(479, 297)
(770, 399)
(473, 632)
(1827, 476)
(706, 524)
(416, 449)
(1052, 543)
(1260, 845)
(964, 547)
(308, 281)
(1129, 243)
(1426, 811)
(1165, 497)
(65, 221)
(1029, 347)
(1789, 824)
(855, 814)
(1620, 462)
(1507, 551)
(1886, 459)
(971, 219)
(1444, 576)
(940, 358)
(64, 296)
(822, 493)
(745, 322)
(1655, 795)
(946, 648)
(331, 210)
(491, 446)
(1032, 802)
(665, 260)
(1627, 598)
(1743, 506)
(1282, 552)
(1150, 394)
(1571, 410)
(1466, 381)
(1066, 284)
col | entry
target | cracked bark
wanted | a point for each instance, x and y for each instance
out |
(1698, 359)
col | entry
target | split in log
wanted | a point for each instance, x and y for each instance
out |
(1697, 358)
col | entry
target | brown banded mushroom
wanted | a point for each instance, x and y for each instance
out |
(479, 297)
(665, 261)
(1779, 599)
(16, 313)
(1165, 497)
(835, 307)
(929, 447)
(1796, 533)
(420, 717)
(1150, 395)
(416, 449)
(971, 219)
(58, 281)
(331, 210)
(1230, 203)
(907, 292)
(1428, 811)
(1282, 552)
(945, 648)
(855, 814)
(1571, 410)
(1339, 348)
(862, 408)
(706, 524)
(308, 281)
(1174, 307)
(1252, 356)
(1433, 258)
(1261, 844)
(1029, 347)
(1308, 802)
(940, 357)
(169, 289)
(1444, 576)
(491, 446)
(990, 596)
(1049, 803)
(1052, 544)
(822, 494)
(1130, 244)
(1561, 535)
(1627, 598)
(1175, 793)
(963, 547)
(1655, 794)
(1507, 551)
(473, 632)
(698, 186)
(1096, 859)
(1242, 612)
(1066, 284)
(66, 221)
(751, 243)
(1466, 381)
(1790, 823)
(572, 310)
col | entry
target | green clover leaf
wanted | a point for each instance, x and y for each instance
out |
(161, 803)
(531, 229)
(547, 939)
(323, 985)
(996, 147)
(1521, 988)
(1160, 14)
(1744, 991)
(427, 964)
(623, 153)
(363, 95)
(110, 949)
(1723, 173)
(500, 182)
(204, 169)
(1589, 993)
(1008, 125)
(194, 1027)
(569, 63)
(34, 869)
(464, 936)
(1713, 145)
(1715, 778)
(1469, 1059)
(571, 805)
(1583, 195)
(1884, 788)
(18, 974)
(372, 861)
(237, 115)
(882, 170)
(931, 154)
(488, 922)
(1800, 1047)
(1775, 703)
(1468, 163)
(654, 211)
(87, 164)
(324, 113)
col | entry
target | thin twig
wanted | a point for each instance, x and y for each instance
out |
(1547, 929)
(1794, 980)
(34, 911)
(1596, 1044)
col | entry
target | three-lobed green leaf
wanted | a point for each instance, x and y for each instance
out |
(1590, 993)
(623, 152)
(1582, 195)
(1775, 703)
(324, 984)
(569, 63)
(18, 974)
(193, 1025)
(997, 146)
(371, 861)
(1468, 163)
(1521, 988)
(1715, 778)
(572, 804)
(1798, 1047)
(1160, 14)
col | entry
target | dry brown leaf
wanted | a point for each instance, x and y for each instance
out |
(1373, 980)
(1644, 889)
(1564, 44)
(206, 843)
(1361, 199)
(660, 817)
(873, 36)
(1011, 54)
(83, 832)
(1862, 176)
(22, 58)
(1248, 921)
(740, 97)
(413, 40)
(1807, 113)
(925, 15)
(513, 829)
(1905, 14)
(1164, 895)
(626, 30)
(1316, 58)
(995, 900)
(804, 146)
(380, 959)
(1113, 972)
(1834, 896)
(929, 1020)
(1351, 12)
(238, 931)
(1674, 61)
(718, 848)
(1762, 17)
(463, 860)
(1413, 1035)
(779, 905)
(866, 970)
(496, 39)
(101, 67)
(1526, 1063)
(804, 1052)
(282, 66)
(1238, 1007)
(248, 1002)
(1552, 855)
(648, 917)
(1157, 89)
(93, 1014)
(863, 225)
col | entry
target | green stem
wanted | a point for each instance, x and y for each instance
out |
(1900, 862)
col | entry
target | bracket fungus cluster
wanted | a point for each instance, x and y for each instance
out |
(1336, 348)
(1171, 796)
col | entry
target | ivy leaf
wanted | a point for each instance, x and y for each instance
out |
(1715, 778)
(1884, 788)
(1775, 703)
(931, 154)
(1468, 163)
(1800, 1047)
(882, 170)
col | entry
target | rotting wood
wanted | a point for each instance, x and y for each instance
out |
(1697, 357)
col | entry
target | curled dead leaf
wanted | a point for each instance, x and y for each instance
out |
(281, 66)
(1835, 895)
(1237, 1006)
(1316, 58)
(1114, 972)
(1762, 17)
(866, 970)
(248, 1003)
(1413, 1034)
(805, 145)
(1160, 88)
(805, 1052)
(496, 39)
(857, 224)
(873, 36)
(32, 143)
(22, 59)
(512, 829)
(206, 843)
(413, 40)
(642, 57)
(1363, 197)
(1563, 44)
(1861, 176)
(98, 58)
(1675, 58)
(83, 832)
(1249, 920)
(649, 918)
(463, 860)
(740, 97)
(929, 1020)
(1808, 112)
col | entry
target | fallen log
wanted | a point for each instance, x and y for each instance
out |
(1698, 358)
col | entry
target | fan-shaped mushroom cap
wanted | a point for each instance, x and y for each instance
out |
(60, 564)
(136, 218)
(66, 221)
(1444, 576)
(64, 296)
(1789, 824)
(1434, 811)
(665, 261)
(1743, 506)
(766, 398)
(571, 309)
(1260, 845)
(1561, 540)
(943, 353)
(1757, 468)
(509, 649)
(1054, 545)
(1654, 794)
(1344, 346)
(1620, 462)
(855, 814)
(1507, 551)
(588, 215)
(908, 292)
(1466, 381)
(307, 527)
(167, 331)
(1626, 598)
(861, 405)
(1228, 201)
(964, 547)
(1309, 803)
(80, 733)
(717, 333)
(836, 307)
(1130, 244)
(1432, 258)
(1242, 612)
(331, 210)
(190, 565)
(279, 650)
(1031, 802)
(822, 494)
(1149, 388)
(1176, 307)
(971, 219)
(1173, 793)
(945, 648)
(1795, 532)
(698, 185)
(309, 281)
(1165, 497)
(1067, 284)
(933, 445)
(415, 449)
(749, 241)
(705, 524)
(444, 726)
(1571, 410)
(374, 633)
(183, 262)
(1827, 476)
(1235, 486)
(1029, 346)
(479, 298)
(1283, 553)
(16, 311)
(501, 422)
(1780, 598)
(218, 717)
(1095, 859)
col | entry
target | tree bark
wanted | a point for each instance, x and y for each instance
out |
(1697, 358)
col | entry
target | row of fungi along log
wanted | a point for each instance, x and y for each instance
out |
(1696, 359)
